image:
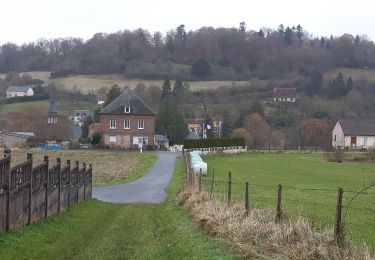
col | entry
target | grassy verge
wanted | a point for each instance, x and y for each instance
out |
(309, 188)
(97, 230)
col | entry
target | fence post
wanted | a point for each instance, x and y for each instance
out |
(46, 161)
(212, 182)
(70, 181)
(7, 220)
(247, 198)
(229, 187)
(279, 207)
(58, 162)
(91, 178)
(200, 180)
(338, 233)
(84, 181)
(77, 177)
(30, 173)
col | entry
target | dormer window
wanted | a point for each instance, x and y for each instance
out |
(127, 109)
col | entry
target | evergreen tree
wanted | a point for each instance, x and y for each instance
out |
(201, 69)
(113, 93)
(178, 89)
(261, 33)
(349, 85)
(242, 27)
(288, 36)
(166, 89)
(314, 85)
(170, 122)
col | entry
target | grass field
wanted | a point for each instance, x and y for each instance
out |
(97, 230)
(309, 187)
(368, 74)
(88, 83)
(109, 167)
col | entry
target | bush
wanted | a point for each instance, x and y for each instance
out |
(214, 142)
(336, 156)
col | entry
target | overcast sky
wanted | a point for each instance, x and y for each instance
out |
(28, 20)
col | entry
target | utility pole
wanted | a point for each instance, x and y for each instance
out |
(204, 136)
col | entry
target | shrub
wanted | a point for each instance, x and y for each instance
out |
(214, 142)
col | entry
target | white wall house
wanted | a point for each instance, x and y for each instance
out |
(19, 91)
(354, 133)
(284, 94)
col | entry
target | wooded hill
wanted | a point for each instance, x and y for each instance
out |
(207, 53)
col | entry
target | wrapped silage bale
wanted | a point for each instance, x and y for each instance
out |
(197, 163)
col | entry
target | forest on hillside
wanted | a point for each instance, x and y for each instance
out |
(207, 53)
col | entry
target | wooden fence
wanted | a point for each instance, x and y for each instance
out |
(29, 193)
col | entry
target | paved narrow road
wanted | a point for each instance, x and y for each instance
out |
(148, 189)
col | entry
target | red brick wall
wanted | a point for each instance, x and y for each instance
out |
(149, 128)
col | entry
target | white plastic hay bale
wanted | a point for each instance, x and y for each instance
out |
(200, 165)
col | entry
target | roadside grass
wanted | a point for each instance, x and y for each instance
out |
(309, 188)
(109, 167)
(97, 230)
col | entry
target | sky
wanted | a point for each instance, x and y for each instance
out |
(25, 20)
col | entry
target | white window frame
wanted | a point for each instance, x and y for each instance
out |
(127, 109)
(112, 139)
(127, 124)
(112, 124)
(365, 140)
(141, 124)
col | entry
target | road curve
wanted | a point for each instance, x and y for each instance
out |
(148, 189)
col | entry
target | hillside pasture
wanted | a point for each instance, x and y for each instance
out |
(365, 73)
(310, 187)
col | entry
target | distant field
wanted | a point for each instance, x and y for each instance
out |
(368, 74)
(94, 82)
(63, 109)
(309, 187)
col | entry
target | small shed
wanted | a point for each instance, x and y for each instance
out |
(161, 141)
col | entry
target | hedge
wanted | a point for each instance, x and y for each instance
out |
(27, 98)
(214, 142)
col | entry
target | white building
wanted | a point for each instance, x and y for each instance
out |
(19, 91)
(78, 116)
(354, 133)
(284, 94)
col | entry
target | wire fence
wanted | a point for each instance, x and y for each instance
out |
(347, 211)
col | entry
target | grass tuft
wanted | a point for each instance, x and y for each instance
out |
(258, 236)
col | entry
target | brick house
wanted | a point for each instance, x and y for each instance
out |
(127, 122)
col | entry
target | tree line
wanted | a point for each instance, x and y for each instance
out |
(206, 53)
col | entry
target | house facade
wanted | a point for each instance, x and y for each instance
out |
(284, 94)
(354, 133)
(19, 91)
(78, 116)
(127, 122)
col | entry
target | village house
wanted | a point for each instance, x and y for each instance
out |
(354, 133)
(284, 94)
(19, 91)
(161, 141)
(14, 139)
(195, 124)
(127, 122)
(78, 116)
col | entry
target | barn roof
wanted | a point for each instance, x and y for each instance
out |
(18, 89)
(358, 126)
(127, 98)
(285, 92)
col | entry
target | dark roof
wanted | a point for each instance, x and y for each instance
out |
(18, 88)
(358, 126)
(285, 92)
(15, 135)
(81, 112)
(127, 98)
(76, 132)
(192, 135)
(161, 138)
(52, 110)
